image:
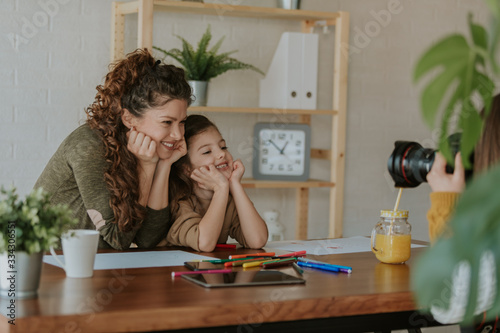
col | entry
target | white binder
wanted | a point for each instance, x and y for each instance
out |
(291, 81)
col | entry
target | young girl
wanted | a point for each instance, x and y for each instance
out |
(208, 201)
(112, 170)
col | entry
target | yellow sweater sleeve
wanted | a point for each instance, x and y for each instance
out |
(442, 208)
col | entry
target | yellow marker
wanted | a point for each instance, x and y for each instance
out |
(241, 262)
(254, 263)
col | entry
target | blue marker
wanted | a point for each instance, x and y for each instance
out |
(324, 267)
(343, 269)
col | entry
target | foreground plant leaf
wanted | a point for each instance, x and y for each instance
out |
(475, 230)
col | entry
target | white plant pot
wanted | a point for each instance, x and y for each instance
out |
(20, 274)
(289, 4)
(199, 89)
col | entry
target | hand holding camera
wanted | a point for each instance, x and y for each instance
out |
(441, 181)
(410, 164)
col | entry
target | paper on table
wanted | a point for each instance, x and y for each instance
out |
(327, 246)
(136, 259)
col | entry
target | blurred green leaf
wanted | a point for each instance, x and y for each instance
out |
(38, 223)
(476, 229)
(457, 71)
(460, 80)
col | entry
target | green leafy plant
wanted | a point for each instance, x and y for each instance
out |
(464, 70)
(204, 64)
(462, 73)
(34, 223)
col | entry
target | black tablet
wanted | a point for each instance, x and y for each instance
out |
(202, 265)
(242, 278)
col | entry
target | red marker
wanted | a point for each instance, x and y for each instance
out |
(226, 246)
(292, 254)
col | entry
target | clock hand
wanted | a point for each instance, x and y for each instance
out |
(282, 151)
(272, 142)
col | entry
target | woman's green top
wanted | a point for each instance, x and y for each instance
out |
(75, 176)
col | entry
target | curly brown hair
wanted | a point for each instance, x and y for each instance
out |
(137, 83)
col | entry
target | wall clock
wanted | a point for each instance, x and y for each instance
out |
(281, 151)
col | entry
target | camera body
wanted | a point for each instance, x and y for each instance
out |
(410, 163)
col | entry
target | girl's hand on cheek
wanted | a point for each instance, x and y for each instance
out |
(142, 146)
(238, 171)
(209, 178)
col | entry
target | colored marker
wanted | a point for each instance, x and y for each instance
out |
(279, 263)
(297, 268)
(324, 267)
(280, 260)
(226, 246)
(211, 271)
(292, 254)
(221, 261)
(265, 254)
(230, 262)
(253, 263)
(241, 262)
(343, 269)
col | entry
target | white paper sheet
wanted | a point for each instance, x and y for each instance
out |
(327, 246)
(136, 259)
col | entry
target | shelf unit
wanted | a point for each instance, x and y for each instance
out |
(309, 19)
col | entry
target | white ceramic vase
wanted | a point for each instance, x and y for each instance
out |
(20, 274)
(199, 89)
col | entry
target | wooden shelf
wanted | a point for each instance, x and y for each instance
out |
(308, 20)
(311, 183)
(260, 110)
(230, 10)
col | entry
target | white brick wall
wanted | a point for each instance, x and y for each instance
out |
(49, 76)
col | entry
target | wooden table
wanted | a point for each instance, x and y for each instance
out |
(375, 297)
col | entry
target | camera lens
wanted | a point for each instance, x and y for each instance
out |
(410, 163)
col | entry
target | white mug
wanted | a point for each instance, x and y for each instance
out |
(79, 249)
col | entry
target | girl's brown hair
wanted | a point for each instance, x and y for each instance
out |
(136, 83)
(487, 152)
(181, 186)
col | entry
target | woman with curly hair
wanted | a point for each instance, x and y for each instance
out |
(113, 171)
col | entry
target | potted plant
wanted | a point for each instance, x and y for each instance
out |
(29, 227)
(459, 276)
(203, 64)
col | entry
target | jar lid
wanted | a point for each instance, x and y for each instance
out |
(394, 214)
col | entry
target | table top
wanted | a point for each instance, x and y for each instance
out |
(148, 299)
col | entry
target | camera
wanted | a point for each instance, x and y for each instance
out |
(410, 163)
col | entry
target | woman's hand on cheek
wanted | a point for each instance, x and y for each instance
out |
(238, 171)
(142, 146)
(179, 151)
(209, 178)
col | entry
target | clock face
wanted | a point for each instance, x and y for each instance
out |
(282, 152)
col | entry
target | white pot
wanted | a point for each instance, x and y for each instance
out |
(199, 90)
(289, 4)
(20, 274)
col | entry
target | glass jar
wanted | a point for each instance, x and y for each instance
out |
(391, 237)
